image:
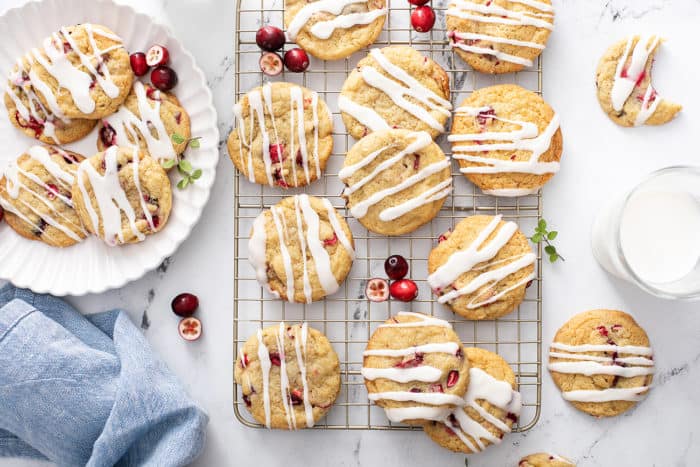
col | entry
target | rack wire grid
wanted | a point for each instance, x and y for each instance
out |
(347, 318)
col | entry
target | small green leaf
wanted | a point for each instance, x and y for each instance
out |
(553, 258)
(168, 164)
(196, 174)
(182, 184)
(537, 238)
(185, 166)
(550, 250)
(542, 224)
(177, 139)
(194, 143)
(552, 235)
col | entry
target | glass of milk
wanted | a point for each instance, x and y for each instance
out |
(650, 236)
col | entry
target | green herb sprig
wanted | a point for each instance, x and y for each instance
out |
(547, 236)
(189, 174)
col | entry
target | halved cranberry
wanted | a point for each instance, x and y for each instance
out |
(299, 159)
(153, 94)
(271, 63)
(411, 362)
(275, 359)
(108, 135)
(138, 63)
(452, 378)
(190, 328)
(331, 241)
(436, 388)
(297, 397)
(377, 290)
(157, 55)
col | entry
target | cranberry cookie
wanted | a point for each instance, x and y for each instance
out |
(415, 369)
(35, 193)
(545, 459)
(289, 376)
(397, 180)
(602, 362)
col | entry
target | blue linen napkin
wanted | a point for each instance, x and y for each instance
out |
(88, 390)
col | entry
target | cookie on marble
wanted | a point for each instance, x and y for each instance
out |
(499, 36)
(602, 362)
(415, 369)
(506, 140)
(545, 459)
(35, 192)
(395, 87)
(336, 29)
(29, 114)
(283, 135)
(491, 406)
(147, 119)
(624, 87)
(301, 249)
(289, 376)
(397, 180)
(482, 268)
(122, 195)
(86, 71)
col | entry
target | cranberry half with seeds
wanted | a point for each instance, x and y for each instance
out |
(271, 63)
(190, 328)
(185, 304)
(377, 290)
(157, 55)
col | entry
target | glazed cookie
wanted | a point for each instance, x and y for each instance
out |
(499, 36)
(35, 192)
(623, 81)
(284, 135)
(397, 180)
(602, 362)
(415, 369)
(122, 195)
(148, 119)
(301, 249)
(491, 406)
(507, 140)
(334, 29)
(289, 376)
(482, 268)
(395, 87)
(32, 117)
(545, 459)
(86, 70)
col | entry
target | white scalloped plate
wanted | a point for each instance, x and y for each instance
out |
(93, 267)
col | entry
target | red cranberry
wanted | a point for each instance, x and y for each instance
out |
(185, 304)
(270, 38)
(107, 135)
(452, 378)
(444, 236)
(423, 19)
(331, 241)
(485, 116)
(276, 152)
(602, 331)
(246, 399)
(52, 191)
(138, 63)
(396, 267)
(436, 388)
(271, 63)
(164, 78)
(190, 328)
(275, 359)
(404, 290)
(297, 397)
(377, 290)
(418, 2)
(296, 60)
(157, 55)
(411, 362)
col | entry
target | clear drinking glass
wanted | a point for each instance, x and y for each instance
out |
(650, 236)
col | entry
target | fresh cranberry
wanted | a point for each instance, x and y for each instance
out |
(418, 2)
(270, 38)
(423, 19)
(452, 378)
(297, 397)
(331, 241)
(271, 63)
(157, 55)
(32, 123)
(52, 191)
(185, 304)
(276, 152)
(190, 328)
(444, 236)
(411, 362)
(164, 78)
(107, 135)
(156, 221)
(404, 290)
(396, 267)
(296, 60)
(275, 359)
(138, 63)
(377, 290)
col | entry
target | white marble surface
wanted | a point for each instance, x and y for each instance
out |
(599, 159)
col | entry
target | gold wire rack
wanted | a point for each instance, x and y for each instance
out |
(347, 318)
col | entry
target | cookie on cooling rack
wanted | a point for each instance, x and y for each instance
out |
(147, 120)
(397, 180)
(602, 362)
(85, 69)
(415, 369)
(32, 117)
(283, 135)
(482, 268)
(395, 87)
(122, 195)
(289, 376)
(491, 406)
(623, 82)
(35, 192)
(334, 30)
(501, 36)
(507, 140)
(545, 459)
(301, 249)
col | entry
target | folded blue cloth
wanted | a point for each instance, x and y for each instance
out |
(88, 390)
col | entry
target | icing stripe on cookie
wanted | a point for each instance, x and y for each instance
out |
(324, 29)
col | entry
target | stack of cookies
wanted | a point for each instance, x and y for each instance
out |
(78, 78)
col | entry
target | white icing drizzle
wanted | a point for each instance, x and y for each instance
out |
(640, 364)
(265, 365)
(324, 29)
(365, 115)
(627, 78)
(457, 37)
(439, 347)
(338, 228)
(401, 414)
(423, 373)
(257, 248)
(72, 78)
(483, 386)
(284, 380)
(466, 260)
(432, 398)
(127, 126)
(260, 102)
(439, 191)
(527, 138)
(301, 362)
(423, 320)
(110, 197)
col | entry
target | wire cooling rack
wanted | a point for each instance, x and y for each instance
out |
(347, 318)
